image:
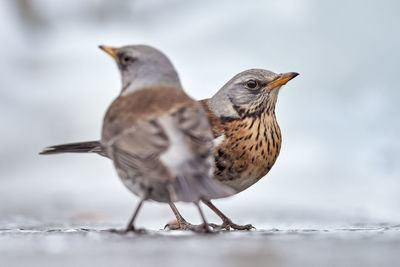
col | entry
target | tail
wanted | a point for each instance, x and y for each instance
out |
(80, 147)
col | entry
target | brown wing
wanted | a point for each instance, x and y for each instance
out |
(136, 151)
(132, 136)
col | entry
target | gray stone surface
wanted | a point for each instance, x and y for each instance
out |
(56, 246)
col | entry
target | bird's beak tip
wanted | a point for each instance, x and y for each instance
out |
(109, 50)
(289, 75)
(283, 78)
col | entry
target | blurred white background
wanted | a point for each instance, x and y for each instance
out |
(339, 163)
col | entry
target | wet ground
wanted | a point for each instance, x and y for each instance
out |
(69, 246)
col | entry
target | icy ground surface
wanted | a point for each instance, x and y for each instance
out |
(55, 245)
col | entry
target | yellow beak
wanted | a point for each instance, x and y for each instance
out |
(109, 50)
(282, 79)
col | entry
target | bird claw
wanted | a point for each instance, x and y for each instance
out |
(228, 225)
(185, 226)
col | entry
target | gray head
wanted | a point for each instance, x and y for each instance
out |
(142, 66)
(249, 93)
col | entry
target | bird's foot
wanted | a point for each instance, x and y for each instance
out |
(179, 225)
(186, 226)
(183, 225)
(228, 225)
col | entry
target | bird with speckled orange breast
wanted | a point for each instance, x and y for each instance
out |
(247, 135)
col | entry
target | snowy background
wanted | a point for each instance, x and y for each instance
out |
(339, 163)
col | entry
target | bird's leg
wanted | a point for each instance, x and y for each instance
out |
(205, 227)
(131, 227)
(227, 223)
(131, 224)
(182, 223)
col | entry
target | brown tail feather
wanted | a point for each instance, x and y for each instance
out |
(80, 147)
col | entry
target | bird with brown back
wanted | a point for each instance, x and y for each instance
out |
(158, 138)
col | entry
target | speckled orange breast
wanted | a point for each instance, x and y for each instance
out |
(247, 151)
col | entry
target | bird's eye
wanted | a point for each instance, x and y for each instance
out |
(127, 60)
(251, 84)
